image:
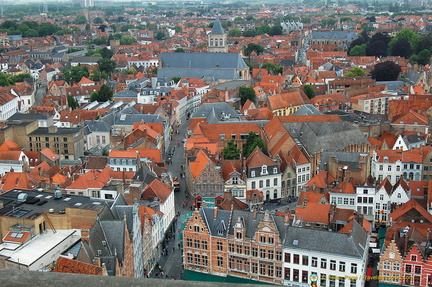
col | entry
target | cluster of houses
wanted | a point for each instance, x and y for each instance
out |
(87, 190)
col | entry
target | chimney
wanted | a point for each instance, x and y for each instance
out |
(405, 244)
(97, 261)
(287, 216)
(428, 235)
(85, 235)
(255, 211)
(215, 212)
(104, 270)
(314, 186)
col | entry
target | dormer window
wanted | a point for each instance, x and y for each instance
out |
(275, 170)
(253, 173)
(235, 180)
(264, 169)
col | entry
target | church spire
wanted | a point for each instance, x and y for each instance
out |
(217, 42)
(217, 28)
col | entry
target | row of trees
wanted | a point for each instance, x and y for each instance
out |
(102, 71)
(9, 80)
(32, 29)
(406, 43)
(231, 152)
(260, 30)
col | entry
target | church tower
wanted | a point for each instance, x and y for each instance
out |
(217, 41)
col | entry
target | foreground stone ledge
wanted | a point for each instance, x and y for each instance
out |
(20, 278)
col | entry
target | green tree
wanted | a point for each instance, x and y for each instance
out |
(106, 53)
(272, 68)
(104, 94)
(127, 40)
(249, 33)
(309, 91)
(160, 35)
(176, 79)
(231, 151)
(275, 30)
(263, 29)
(126, 27)
(356, 72)
(72, 102)
(98, 20)
(177, 29)
(179, 50)
(247, 93)
(48, 29)
(359, 50)
(253, 141)
(423, 58)
(87, 27)
(80, 19)
(6, 80)
(20, 77)
(106, 65)
(95, 75)
(234, 32)
(75, 74)
(253, 47)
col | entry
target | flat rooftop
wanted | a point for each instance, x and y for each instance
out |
(38, 202)
(37, 247)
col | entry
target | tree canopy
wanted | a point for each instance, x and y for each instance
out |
(247, 93)
(9, 80)
(253, 47)
(231, 151)
(75, 74)
(272, 68)
(253, 141)
(386, 71)
(356, 72)
(104, 94)
(309, 91)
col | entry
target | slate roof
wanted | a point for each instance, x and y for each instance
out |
(392, 85)
(307, 110)
(28, 117)
(215, 110)
(334, 35)
(202, 61)
(217, 28)
(126, 94)
(144, 174)
(217, 226)
(350, 159)
(96, 126)
(327, 136)
(114, 233)
(199, 65)
(129, 116)
(327, 242)
(413, 77)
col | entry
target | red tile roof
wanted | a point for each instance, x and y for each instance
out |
(66, 265)
(10, 145)
(49, 154)
(408, 206)
(158, 189)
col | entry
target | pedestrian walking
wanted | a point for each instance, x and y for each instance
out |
(178, 245)
(173, 249)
